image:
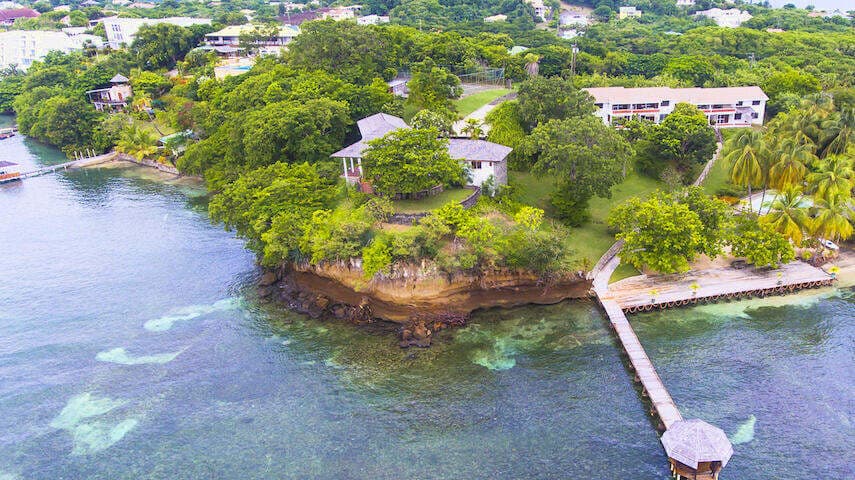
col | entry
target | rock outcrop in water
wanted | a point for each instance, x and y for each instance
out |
(419, 300)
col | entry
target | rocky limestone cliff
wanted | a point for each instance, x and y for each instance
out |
(418, 298)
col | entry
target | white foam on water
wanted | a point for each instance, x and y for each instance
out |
(189, 313)
(745, 432)
(8, 476)
(94, 436)
(120, 356)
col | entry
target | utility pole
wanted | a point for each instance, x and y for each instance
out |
(573, 60)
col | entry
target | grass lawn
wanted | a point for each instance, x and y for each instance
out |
(149, 125)
(592, 239)
(470, 103)
(717, 179)
(432, 203)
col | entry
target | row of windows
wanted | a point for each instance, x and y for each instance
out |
(665, 103)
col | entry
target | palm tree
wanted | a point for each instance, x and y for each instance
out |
(834, 218)
(787, 216)
(472, 129)
(136, 142)
(841, 134)
(791, 164)
(834, 176)
(744, 155)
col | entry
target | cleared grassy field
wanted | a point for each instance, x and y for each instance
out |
(591, 240)
(470, 103)
(431, 203)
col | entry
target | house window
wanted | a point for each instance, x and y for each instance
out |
(755, 102)
(621, 106)
(737, 116)
(704, 107)
(718, 106)
(665, 103)
(476, 165)
(754, 115)
(739, 103)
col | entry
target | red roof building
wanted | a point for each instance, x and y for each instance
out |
(8, 17)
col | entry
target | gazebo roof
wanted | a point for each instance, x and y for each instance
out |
(119, 78)
(693, 441)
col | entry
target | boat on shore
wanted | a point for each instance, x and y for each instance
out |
(8, 132)
(9, 171)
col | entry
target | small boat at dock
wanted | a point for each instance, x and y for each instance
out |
(7, 132)
(9, 171)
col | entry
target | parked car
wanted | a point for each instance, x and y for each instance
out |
(828, 244)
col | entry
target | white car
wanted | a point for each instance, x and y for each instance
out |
(828, 244)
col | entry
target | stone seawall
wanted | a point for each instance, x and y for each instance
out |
(413, 218)
(149, 163)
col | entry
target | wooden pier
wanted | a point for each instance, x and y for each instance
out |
(79, 163)
(643, 293)
(645, 373)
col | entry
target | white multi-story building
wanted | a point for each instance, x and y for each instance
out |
(731, 18)
(540, 9)
(230, 37)
(685, 3)
(23, 47)
(724, 107)
(372, 19)
(123, 30)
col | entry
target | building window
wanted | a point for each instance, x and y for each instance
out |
(754, 115)
(739, 103)
(755, 102)
(737, 116)
(476, 165)
(665, 103)
(598, 105)
(704, 107)
(621, 106)
(718, 106)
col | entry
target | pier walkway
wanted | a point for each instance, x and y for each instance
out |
(643, 293)
(82, 162)
(644, 370)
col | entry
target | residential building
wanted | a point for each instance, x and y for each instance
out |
(114, 98)
(372, 19)
(7, 5)
(62, 8)
(685, 3)
(90, 3)
(142, 5)
(483, 159)
(341, 13)
(577, 19)
(628, 12)
(9, 15)
(398, 87)
(230, 37)
(569, 34)
(23, 47)
(730, 18)
(540, 9)
(122, 31)
(724, 107)
(496, 18)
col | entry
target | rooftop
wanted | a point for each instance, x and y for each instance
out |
(238, 30)
(119, 78)
(380, 124)
(12, 13)
(4, 163)
(690, 95)
(693, 441)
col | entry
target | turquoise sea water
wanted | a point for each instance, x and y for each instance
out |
(131, 347)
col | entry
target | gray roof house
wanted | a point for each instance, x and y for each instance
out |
(484, 159)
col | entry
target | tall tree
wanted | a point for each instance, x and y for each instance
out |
(788, 216)
(791, 164)
(583, 156)
(834, 218)
(407, 161)
(433, 87)
(743, 152)
(542, 99)
(684, 140)
(833, 176)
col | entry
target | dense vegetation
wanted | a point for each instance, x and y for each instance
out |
(262, 140)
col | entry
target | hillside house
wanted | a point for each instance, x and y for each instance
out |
(730, 18)
(724, 107)
(230, 37)
(628, 12)
(8, 16)
(122, 31)
(114, 98)
(483, 159)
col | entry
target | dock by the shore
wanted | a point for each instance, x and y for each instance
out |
(644, 293)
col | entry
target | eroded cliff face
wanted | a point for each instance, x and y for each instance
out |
(420, 299)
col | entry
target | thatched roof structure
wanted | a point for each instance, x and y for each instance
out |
(693, 441)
